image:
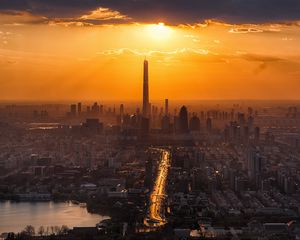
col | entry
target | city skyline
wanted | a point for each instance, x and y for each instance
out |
(149, 119)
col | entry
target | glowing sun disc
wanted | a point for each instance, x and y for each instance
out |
(159, 31)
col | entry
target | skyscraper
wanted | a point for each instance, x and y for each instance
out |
(146, 104)
(121, 113)
(195, 123)
(79, 108)
(122, 109)
(73, 110)
(166, 107)
(254, 161)
(183, 120)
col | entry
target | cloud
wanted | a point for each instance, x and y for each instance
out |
(69, 23)
(128, 51)
(169, 11)
(20, 18)
(263, 61)
(287, 39)
(98, 16)
(259, 62)
(193, 52)
(191, 11)
(194, 55)
(103, 14)
(259, 58)
(192, 37)
(245, 30)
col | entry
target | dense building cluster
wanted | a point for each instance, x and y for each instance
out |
(205, 170)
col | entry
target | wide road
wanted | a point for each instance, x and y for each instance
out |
(156, 216)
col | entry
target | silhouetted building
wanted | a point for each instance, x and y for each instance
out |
(183, 120)
(122, 110)
(269, 138)
(145, 126)
(254, 165)
(95, 109)
(92, 126)
(256, 135)
(246, 134)
(79, 108)
(121, 119)
(250, 123)
(209, 124)
(241, 119)
(176, 124)
(73, 110)
(195, 123)
(134, 121)
(146, 104)
(165, 124)
(166, 106)
(148, 173)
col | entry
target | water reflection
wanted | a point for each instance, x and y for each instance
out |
(16, 215)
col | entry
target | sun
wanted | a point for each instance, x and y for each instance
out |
(159, 31)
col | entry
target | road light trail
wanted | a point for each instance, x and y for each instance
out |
(156, 215)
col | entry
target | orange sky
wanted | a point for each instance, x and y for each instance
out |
(212, 60)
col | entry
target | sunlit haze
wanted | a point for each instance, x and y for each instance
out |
(60, 59)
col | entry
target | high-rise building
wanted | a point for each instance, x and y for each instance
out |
(254, 165)
(256, 135)
(166, 107)
(122, 110)
(73, 110)
(195, 123)
(121, 116)
(165, 124)
(145, 126)
(209, 124)
(79, 108)
(241, 119)
(146, 104)
(92, 126)
(183, 120)
(148, 172)
(95, 108)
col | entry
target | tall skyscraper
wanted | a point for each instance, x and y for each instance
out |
(183, 120)
(79, 108)
(146, 104)
(122, 110)
(166, 107)
(121, 114)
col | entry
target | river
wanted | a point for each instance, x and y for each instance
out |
(14, 216)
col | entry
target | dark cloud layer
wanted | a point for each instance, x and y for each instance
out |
(171, 11)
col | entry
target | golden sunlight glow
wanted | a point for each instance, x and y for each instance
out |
(204, 62)
(159, 31)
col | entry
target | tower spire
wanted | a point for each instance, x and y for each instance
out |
(146, 103)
